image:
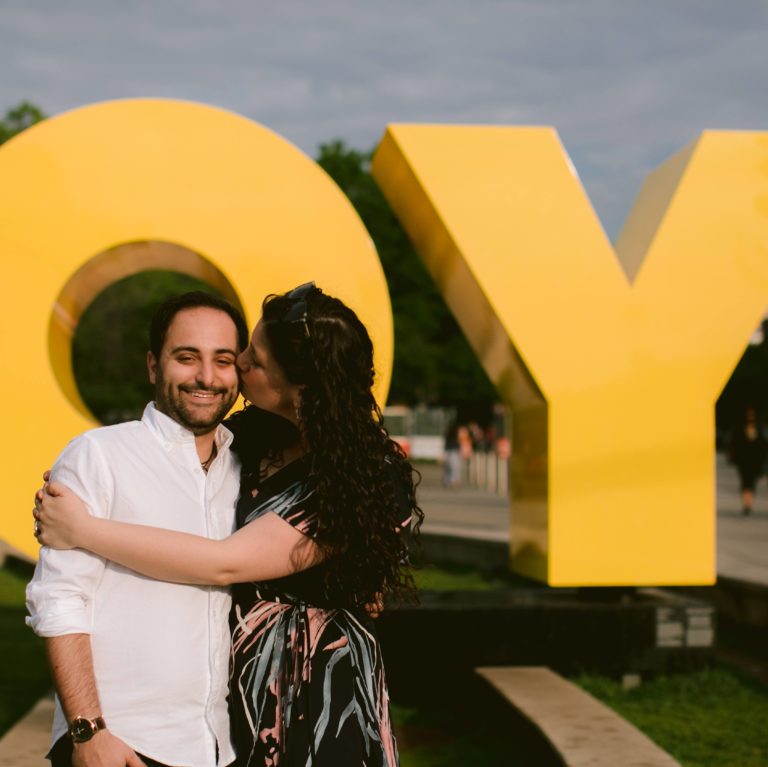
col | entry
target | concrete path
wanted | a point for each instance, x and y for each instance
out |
(26, 744)
(742, 542)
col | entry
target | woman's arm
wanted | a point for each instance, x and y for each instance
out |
(264, 549)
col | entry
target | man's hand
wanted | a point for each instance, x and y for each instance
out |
(104, 750)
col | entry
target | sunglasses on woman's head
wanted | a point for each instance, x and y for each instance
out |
(298, 312)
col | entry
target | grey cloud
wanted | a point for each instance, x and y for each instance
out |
(626, 82)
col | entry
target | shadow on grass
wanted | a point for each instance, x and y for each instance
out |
(458, 719)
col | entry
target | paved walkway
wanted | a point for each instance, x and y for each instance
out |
(26, 744)
(742, 542)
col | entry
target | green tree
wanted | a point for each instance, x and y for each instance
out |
(433, 361)
(19, 118)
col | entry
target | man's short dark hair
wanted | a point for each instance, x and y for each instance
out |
(163, 317)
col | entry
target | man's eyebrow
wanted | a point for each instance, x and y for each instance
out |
(177, 349)
(196, 350)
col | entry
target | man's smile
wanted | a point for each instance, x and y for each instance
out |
(202, 394)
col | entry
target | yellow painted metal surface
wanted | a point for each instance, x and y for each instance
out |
(200, 190)
(611, 373)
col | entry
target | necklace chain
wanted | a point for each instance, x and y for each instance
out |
(207, 462)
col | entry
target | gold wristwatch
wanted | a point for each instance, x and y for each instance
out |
(82, 729)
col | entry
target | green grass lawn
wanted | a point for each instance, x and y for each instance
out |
(24, 678)
(710, 718)
(445, 577)
(434, 578)
(11, 590)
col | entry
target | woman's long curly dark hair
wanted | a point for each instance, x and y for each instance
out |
(363, 482)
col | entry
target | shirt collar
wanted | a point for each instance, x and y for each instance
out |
(168, 430)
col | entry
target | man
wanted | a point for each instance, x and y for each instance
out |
(140, 666)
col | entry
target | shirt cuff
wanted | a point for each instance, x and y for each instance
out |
(57, 617)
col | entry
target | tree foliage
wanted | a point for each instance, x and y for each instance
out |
(19, 118)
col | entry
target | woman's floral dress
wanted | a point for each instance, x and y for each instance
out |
(307, 681)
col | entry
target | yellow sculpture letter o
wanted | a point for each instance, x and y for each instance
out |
(184, 179)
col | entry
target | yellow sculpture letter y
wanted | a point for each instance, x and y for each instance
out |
(611, 373)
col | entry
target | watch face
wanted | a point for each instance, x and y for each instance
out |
(82, 730)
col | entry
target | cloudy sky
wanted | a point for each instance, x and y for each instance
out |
(626, 82)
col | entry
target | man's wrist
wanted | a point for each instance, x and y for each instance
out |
(83, 728)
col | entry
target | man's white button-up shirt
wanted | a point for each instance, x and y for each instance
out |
(160, 650)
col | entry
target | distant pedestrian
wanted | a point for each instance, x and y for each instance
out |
(466, 452)
(747, 451)
(451, 457)
(477, 435)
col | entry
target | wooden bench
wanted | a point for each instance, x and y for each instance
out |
(583, 731)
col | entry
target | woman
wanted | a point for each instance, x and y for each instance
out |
(747, 451)
(321, 520)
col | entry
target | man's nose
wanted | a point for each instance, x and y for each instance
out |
(206, 373)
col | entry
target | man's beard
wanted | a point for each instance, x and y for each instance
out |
(169, 401)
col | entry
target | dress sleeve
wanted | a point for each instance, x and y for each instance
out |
(296, 505)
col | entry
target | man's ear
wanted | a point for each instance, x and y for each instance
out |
(152, 367)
